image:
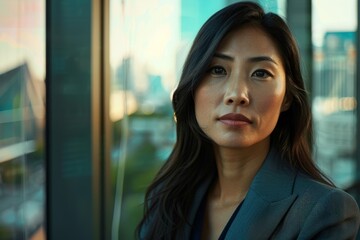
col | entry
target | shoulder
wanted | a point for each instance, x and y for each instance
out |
(321, 196)
(314, 191)
(324, 210)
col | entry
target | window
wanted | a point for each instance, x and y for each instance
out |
(22, 104)
(334, 67)
(149, 41)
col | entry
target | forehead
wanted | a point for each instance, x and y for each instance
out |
(249, 40)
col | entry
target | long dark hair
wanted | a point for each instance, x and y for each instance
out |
(169, 197)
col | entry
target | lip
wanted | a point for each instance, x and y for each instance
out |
(235, 119)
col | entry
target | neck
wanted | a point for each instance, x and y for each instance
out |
(236, 170)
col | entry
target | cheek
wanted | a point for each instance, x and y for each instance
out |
(271, 105)
(204, 101)
(271, 101)
(199, 98)
(200, 101)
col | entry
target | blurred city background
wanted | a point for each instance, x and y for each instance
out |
(85, 104)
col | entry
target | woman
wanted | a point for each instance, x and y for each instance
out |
(241, 167)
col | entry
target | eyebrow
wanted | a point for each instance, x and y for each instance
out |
(251, 59)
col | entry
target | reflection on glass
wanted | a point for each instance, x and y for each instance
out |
(22, 71)
(144, 58)
(334, 88)
(149, 41)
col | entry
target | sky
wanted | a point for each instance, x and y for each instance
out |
(332, 15)
(22, 35)
(148, 32)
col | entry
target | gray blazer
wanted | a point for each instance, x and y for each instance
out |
(285, 204)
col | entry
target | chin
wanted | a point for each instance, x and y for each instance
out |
(233, 144)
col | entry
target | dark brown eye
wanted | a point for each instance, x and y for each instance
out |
(261, 74)
(217, 70)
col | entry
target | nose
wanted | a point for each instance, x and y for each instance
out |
(236, 92)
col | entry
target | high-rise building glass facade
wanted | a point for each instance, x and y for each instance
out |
(334, 84)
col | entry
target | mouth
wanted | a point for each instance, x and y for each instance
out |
(235, 119)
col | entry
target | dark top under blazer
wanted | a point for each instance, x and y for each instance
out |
(285, 204)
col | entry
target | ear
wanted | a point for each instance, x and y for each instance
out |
(286, 103)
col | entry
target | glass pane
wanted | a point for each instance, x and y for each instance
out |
(22, 106)
(149, 41)
(334, 61)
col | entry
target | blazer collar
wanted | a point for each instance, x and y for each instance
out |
(275, 178)
(268, 199)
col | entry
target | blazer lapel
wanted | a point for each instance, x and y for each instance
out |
(269, 197)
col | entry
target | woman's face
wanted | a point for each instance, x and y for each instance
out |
(239, 100)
